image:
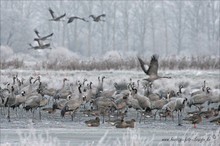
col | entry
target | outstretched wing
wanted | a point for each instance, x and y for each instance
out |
(37, 33)
(142, 65)
(58, 18)
(45, 37)
(51, 13)
(103, 15)
(153, 68)
(72, 18)
(93, 17)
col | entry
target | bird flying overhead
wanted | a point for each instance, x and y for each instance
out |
(41, 38)
(76, 17)
(97, 18)
(54, 18)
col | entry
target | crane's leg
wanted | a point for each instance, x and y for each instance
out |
(40, 113)
(8, 116)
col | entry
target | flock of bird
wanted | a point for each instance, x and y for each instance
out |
(116, 103)
(40, 40)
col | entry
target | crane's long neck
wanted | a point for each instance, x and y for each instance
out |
(30, 80)
(14, 80)
(180, 90)
(79, 88)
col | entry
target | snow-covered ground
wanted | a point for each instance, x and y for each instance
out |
(53, 130)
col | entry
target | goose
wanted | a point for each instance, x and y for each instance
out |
(41, 38)
(121, 124)
(113, 122)
(207, 114)
(152, 70)
(125, 124)
(215, 120)
(130, 123)
(54, 18)
(97, 18)
(216, 111)
(76, 17)
(194, 119)
(93, 122)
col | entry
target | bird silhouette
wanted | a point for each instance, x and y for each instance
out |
(76, 17)
(97, 18)
(152, 70)
(55, 18)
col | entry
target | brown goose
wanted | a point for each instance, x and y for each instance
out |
(152, 70)
(121, 124)
(131, 123)
(93, 122)
(76, 17)
(97, 18)
(54, 18)
(215, 120)
(194, 119)
(125, 124)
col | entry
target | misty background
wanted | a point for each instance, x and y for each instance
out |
(168, 28)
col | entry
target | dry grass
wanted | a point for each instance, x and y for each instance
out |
(15, 64)
(171, 63)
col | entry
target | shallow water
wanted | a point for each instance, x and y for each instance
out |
(53, 130)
